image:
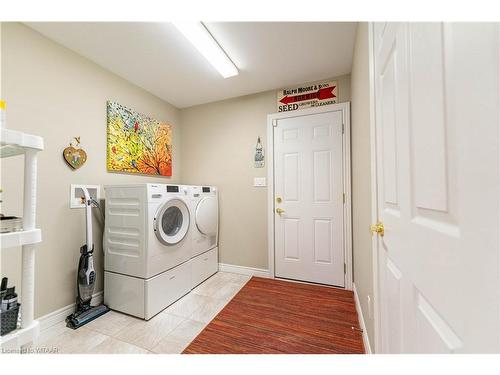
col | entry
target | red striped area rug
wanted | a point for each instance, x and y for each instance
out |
(270, 316)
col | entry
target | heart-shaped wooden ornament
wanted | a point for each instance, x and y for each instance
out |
(75, 157)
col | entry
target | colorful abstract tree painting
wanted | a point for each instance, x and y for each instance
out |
(137, 143)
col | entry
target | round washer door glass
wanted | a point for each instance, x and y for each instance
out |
(172, 222)
(206, 216)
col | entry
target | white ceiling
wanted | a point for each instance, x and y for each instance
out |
(156, 57)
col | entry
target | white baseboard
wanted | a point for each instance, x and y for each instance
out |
(366, 341)
(250, 271)
(58, 316)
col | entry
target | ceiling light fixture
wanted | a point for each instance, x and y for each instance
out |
(205, 43)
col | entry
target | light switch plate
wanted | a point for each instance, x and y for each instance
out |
(76, 194)
(259, 181)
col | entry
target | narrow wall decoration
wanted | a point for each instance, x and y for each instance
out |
(259, 154)
(137, 143)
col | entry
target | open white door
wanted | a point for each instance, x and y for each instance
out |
(308, 201)
(437, 121)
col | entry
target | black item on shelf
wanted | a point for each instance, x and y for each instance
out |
(8, 320)
(3, 288)
(4, 284)
(9, 300)
(10, 224)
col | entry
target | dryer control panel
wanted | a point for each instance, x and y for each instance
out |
(198, 191)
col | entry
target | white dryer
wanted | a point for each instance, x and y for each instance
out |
(205, 232)
(205, 213)
(147, 246)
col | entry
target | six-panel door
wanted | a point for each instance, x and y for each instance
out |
(437, 97)
(309, 188)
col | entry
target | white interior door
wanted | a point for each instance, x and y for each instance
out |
(308, 187)
(437, 98)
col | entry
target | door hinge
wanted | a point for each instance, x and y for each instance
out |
(275, 122)
(343, 198)
(342, 128)
(345, 268)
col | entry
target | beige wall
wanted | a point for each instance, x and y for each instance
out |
(57, 94)
(361, 178)
(218, 146)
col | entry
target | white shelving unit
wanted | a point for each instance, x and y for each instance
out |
(17, 143)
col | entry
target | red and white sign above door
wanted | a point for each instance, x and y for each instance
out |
(306, 96)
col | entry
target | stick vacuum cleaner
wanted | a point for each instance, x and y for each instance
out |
(86, 277)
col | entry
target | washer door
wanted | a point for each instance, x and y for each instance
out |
(171, 222)
(206, 216)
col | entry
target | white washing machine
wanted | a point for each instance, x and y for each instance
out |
(147, 246)
(205, 232)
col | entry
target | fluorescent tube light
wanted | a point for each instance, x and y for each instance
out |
(204, 42)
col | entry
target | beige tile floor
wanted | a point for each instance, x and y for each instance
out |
(168, 332)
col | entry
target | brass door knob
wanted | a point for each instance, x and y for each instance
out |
(279, 211)
(377, 228)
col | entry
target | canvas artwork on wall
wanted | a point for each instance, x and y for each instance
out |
(137, 143)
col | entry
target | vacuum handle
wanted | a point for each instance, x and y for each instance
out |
(88, 219)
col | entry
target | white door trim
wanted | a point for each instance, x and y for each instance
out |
(374, 195)
(498, 97)
(346, 154)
